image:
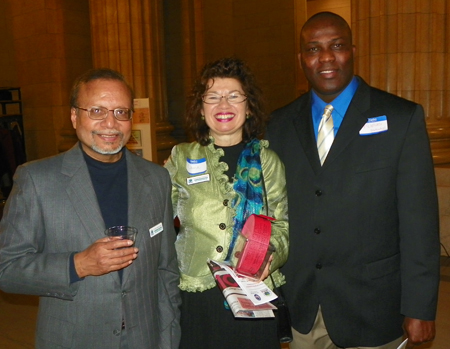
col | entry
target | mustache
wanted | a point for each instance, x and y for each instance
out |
(109, 132)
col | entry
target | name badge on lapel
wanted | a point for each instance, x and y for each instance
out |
(374, 126)
(158, 228)
(198, 179)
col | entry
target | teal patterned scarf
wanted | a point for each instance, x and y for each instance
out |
(248, 187)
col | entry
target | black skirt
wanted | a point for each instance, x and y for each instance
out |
(206, 324)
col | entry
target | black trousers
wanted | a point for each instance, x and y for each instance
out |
(206, 324)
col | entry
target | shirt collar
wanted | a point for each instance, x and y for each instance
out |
(340, 103)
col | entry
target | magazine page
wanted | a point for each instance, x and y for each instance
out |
(257, 291)
(240, 305)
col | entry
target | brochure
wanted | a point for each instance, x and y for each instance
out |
(241, 305)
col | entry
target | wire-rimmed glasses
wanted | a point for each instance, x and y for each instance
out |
(100, 113)
(232, 98)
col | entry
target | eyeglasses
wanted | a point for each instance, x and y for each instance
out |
(232, 98)
(100, 113)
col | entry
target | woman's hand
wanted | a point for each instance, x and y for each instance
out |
(266, 271)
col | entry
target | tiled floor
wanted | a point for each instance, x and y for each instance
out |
(18, 317)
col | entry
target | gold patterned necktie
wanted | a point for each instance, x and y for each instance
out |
(325, 135)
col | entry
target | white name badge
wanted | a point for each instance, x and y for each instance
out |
(198, 179)
(156, 230)
(374, 126)
(196, 166)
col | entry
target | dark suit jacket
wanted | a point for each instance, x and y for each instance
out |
(52, 212)
(364, 227)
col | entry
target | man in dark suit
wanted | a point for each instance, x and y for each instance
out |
(96, 292)
(364, 252)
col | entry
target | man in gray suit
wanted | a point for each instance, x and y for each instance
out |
(95, 292)
(364, 251)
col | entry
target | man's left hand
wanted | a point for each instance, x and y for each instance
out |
(418, 331)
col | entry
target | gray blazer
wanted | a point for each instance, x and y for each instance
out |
(364, 235)
(53, 212)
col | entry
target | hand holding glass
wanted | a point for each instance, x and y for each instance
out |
(122, 231)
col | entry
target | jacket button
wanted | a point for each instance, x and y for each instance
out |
(318, 192)
(225, 202)
(317, 231)
(219, 249)
(222, 226)
(318, 266)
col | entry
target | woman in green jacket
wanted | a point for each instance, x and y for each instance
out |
(218, 181)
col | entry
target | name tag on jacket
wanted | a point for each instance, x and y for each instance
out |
(374, 125)
(158, 228)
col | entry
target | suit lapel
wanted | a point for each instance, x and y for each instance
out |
(137, 194)
(354, 120)
(137, 206)
(83, 197)
(82, 194)
(305, 130)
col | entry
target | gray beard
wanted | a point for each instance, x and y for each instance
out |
(108, 152)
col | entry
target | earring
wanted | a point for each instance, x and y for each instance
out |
(247, 116)
(202, 117)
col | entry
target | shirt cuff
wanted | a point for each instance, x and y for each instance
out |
(73, 272)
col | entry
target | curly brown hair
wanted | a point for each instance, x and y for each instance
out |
(226, 68)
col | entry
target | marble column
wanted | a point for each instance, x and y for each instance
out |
(127, 35)
(403, 47)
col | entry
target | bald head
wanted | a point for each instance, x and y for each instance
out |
(326, 54)
(326, 18)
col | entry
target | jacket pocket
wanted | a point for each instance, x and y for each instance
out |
(383, 267)
(372, 166)
(54, 333)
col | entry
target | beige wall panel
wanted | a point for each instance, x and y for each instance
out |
(416, 36)
(51, 46)
(341, 7)
(8, 76)
(406, 27)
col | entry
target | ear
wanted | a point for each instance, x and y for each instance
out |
(300, 60)
(73, 117)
